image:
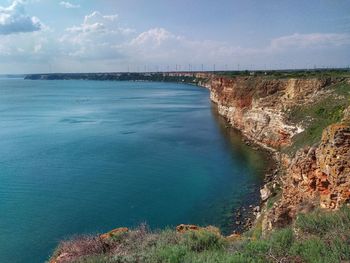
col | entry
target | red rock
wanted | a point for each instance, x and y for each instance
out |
(114, 232)
(316, 176)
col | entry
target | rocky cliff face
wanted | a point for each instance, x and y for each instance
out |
(258, 106)
(315, 176)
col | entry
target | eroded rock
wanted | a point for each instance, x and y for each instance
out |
(265, 193)
(257, 106)
(316, 177)
(114, 233)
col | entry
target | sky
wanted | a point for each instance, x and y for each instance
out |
(43, 36)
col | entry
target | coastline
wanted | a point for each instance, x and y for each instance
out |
(246, 216)
(243, 217)
(268, 110)
(269, 114)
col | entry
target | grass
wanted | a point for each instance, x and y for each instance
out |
(282, 74)
(255, 232)
(317, 116)
(319, 236)
(319, 223)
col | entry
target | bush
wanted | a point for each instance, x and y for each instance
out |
(330, 236)
(203, 240)
(256, 249)
(325, 223)
(81, 246)
(281, 241)
(169, 254)
(322, 237)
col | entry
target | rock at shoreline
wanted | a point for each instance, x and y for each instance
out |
(114, 232)
(317, 177)
(265, 193)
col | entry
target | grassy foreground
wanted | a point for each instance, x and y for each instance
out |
(316, 237)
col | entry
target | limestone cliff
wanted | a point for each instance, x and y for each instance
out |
(258, 107)
(316, 176)
(261, 108)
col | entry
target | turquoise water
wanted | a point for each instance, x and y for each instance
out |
(85, 157)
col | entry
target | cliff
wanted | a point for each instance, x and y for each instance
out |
(259, 107)
(265, 110)
(317, 176)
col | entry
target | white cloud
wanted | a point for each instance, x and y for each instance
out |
(310, 40)
(96, 16)
(102, 43)
(69, 5)
(154, 37)
(111, 17)
(38, 47)
(159, 45)
(97, 37)
(100, 37)
(87, 28)
(96, 22)
(13, 19)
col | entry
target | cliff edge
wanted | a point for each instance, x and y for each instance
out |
(305, 122)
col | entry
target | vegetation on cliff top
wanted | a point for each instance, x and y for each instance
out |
(283, 74)
(189, 77)
(154, 77)
(317, 116)
(316, 237)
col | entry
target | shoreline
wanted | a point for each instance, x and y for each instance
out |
(266, 113)
(261, 109)
(246, 215)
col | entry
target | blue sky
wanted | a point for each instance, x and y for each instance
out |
(106, 35)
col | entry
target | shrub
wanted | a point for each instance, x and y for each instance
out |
(322, 237)
(281, 241)
(257, 249)
(203, 240)
(81, 246)
(324, 223)
(169, 254)
(94, 259)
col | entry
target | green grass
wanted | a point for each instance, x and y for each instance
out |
(342, 88)
(317, 116)
(255, 232)
(283, 74)
(318, 251)
(315, 237)
(319, 223)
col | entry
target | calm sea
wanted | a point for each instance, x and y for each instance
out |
(86, 157)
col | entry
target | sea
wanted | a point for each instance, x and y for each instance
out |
(84, 157)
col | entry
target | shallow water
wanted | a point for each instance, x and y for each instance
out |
(85, 157)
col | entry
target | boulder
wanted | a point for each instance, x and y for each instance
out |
(114, 233)
(265, 193)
